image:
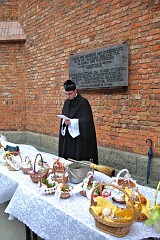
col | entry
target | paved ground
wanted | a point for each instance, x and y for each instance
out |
(11, 229)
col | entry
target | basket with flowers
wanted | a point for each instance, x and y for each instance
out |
(64, 190)
(48, 186)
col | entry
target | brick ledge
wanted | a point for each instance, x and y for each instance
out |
(11, 31)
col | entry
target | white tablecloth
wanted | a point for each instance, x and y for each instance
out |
(54, 218)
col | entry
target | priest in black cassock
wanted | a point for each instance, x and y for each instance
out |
(77, 136)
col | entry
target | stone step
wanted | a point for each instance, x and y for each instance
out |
(143, 182)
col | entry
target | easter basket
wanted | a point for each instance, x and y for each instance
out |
(125, 181)
(59, 173)
(41, 173)
(139, 202)
(154, 218)
(115, 227)
(26, 167)
(12, 163)
(48, 185)
(66, 191)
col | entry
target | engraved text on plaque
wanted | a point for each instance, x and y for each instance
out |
(101, 68)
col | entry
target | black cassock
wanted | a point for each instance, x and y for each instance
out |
(84, 146)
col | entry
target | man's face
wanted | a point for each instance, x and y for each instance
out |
(71, 94)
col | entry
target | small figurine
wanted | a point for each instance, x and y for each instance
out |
(88, 181)
(107, 212)
(87, 185)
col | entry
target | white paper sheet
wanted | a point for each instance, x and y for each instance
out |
(62, 116)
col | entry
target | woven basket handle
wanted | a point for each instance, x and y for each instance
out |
(55, 164)
(58, 163)
(29, 160)
(20, 156)
(92, 202)
(26, 159)
(156, 195)
(119, 174)
(36, 160)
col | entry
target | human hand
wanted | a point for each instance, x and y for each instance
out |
(67, 121)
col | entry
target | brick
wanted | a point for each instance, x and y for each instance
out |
(156, 47)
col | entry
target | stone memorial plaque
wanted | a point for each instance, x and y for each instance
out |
(100, 68)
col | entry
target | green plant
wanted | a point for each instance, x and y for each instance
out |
(49, 185)
(154, 218)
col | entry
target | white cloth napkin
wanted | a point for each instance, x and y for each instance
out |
(73, 128)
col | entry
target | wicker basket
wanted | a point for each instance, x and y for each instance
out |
(64, 191)
(10, 168)
(114, 228)
(121, 181)
(59, 173)
(131, 184)
(139, 215)
(36, 176)
(44, 187)
(26, 170)
(66, 194)
(15, 166)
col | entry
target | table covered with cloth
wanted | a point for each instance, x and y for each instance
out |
(53, 218)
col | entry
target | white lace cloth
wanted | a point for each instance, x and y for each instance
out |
(54, 218)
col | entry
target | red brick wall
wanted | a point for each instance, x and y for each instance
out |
(55, 29)
(8, 10)
(12, 90)
(12, 80)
